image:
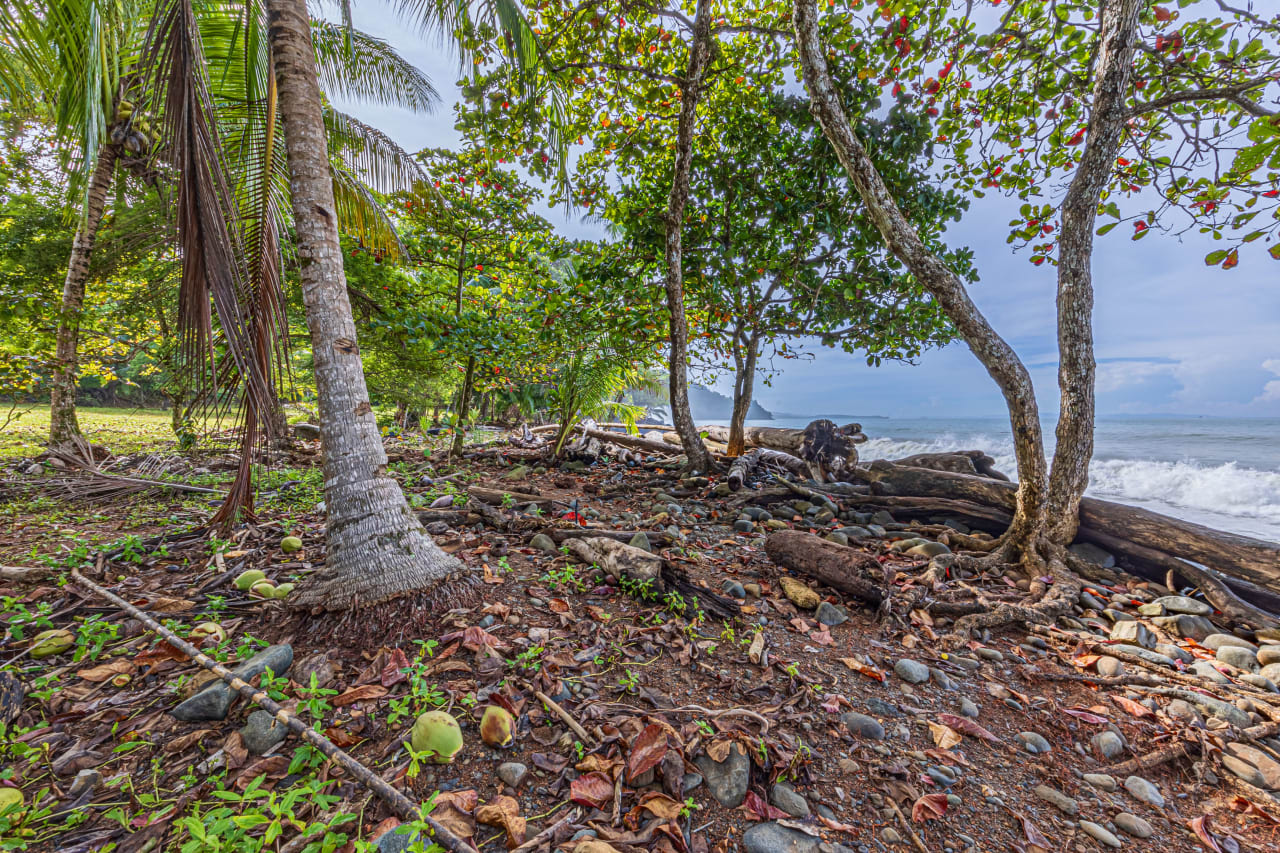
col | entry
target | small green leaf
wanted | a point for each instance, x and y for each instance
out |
(1105, 228)
(1214, 258)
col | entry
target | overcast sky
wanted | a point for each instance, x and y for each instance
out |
(1172, 335)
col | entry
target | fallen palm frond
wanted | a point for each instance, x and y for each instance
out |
(87, 481)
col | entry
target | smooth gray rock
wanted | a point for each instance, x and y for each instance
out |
(1109, 667)
(1244, 770)
(1268, 654)
(1183, 604)
(785, 797)
(1101, 781)
(770, 837)
(1147, 655)
(1271, 671)
(1133, 632)
(391, 842)
(1186, 625)
(1034, 743)
(213, 702)
(910, 671)
(1180, 709)
(261, 732)
(1218, 641)
(1268, 767)
(1107, 744)
(1100, 833)
(641, 541)
(882, 708)
(969, 708)
(1145, 791)
(1089, 602)
(727, 780)
(1133, 825)
(1057, 799)
(1238, 657)
(544, 543)
(1175, 652)
(928, 549)
(830, 614)
(863, 726)
(86, 780)
(512, 773)
(1206, 670)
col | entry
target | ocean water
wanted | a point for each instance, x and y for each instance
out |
(1220, 472)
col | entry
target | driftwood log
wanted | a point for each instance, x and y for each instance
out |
(973, 462)
(828, 450)
(853, 572)
(1124, 529)
(560, 535)
(624, 562)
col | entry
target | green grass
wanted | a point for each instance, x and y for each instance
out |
(120, 430)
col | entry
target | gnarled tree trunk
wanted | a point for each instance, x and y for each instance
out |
(63, 425)
(743, 385)
(376, 547)
(1001, 362)
(678, 362)
(1076, 367)
(464, 405)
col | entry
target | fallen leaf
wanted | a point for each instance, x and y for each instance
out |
(341, 737)
(492, 577)
(862, 669)
(757, 809)
(359, 694)
(646, 751)
(162, 651)
(183, 742)
(1086, 716)
(558, 605)
(660, 805)
(944, 737)
(474, 638)
(1200, 826)
(719, 750)
(1249, 807)
(929, 807)
(823, 637)
(164, 604)
(755, 651)
(504, 813)
(393, 672)
(837, 826)
(1034, 836)
(454, 810)
(109, 670)
(591, 789)
(966, 726)
(1135, 708)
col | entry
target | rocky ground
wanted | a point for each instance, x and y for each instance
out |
(805, 724)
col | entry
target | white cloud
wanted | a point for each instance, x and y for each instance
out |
(1271, 390)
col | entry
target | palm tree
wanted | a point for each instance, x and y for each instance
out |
(377, 548)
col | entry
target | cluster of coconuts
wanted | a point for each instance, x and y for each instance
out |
(437, 735)
(254, 582)
(134, 132)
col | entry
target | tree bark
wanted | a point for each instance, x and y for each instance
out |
(743, 385)
(377, 550)
(464, 403)
(999, 359)
(838, 566)
(63, 424)
(1076, 367)
(678, 363)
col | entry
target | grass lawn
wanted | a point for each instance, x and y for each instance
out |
(120, 430)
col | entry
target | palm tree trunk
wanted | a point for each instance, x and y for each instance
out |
(1076, 366)
(1001, 362)
(678, 366)
(63, 425)
(377, 550)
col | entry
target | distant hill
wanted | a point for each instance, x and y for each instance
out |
(707, 405)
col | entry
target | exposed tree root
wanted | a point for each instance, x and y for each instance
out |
(388, 622)
(1044, 610)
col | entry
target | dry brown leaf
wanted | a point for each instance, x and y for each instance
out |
(359, 694)
(944, 737)
(966, 726)
(184, 742)
(646, 752)
(929, 807)
(504, 813)
(756, 650)
(1134, 708)
(109, 670)
(861, 668)
(165, 604)
(492, 577)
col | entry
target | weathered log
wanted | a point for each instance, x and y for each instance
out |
(973, 462)
(838, 566)
(24, 573)
(793, 464)
(829, 450)
(624, 562)
(741, 469)
(635, 442)
(779, 438)
(498, 497)
(560, 535)
(1232, 555)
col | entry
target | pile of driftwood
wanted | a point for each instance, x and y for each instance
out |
(1239, 575)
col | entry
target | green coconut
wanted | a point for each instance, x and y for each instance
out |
(55, 641)
(290, 544)
(263, 589)
(437, 734)
(283, 590)
(245, 580)
(207, 631)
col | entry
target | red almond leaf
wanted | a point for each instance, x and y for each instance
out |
(341, 737)
(1086, 661)
(1033, 834)
(1086, 716)
(837, 826)
(757, 809)
(558, 605)
(359, 694)
(1138, 710)
(1200, 826)
(474, 638)
(393, 672)
(660, 805)
(929, 807)
(646, 752)
(591, 789)
(964, 725)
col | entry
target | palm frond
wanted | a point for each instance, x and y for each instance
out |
(373, 155)
(358, 66)
(362, 217)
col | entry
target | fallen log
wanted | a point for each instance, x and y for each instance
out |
(498, 497)
(779, 438)
(624, 562)
(828, 450)
(1232, 555)
(560, 535)
(741, 469)
(838, 566)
